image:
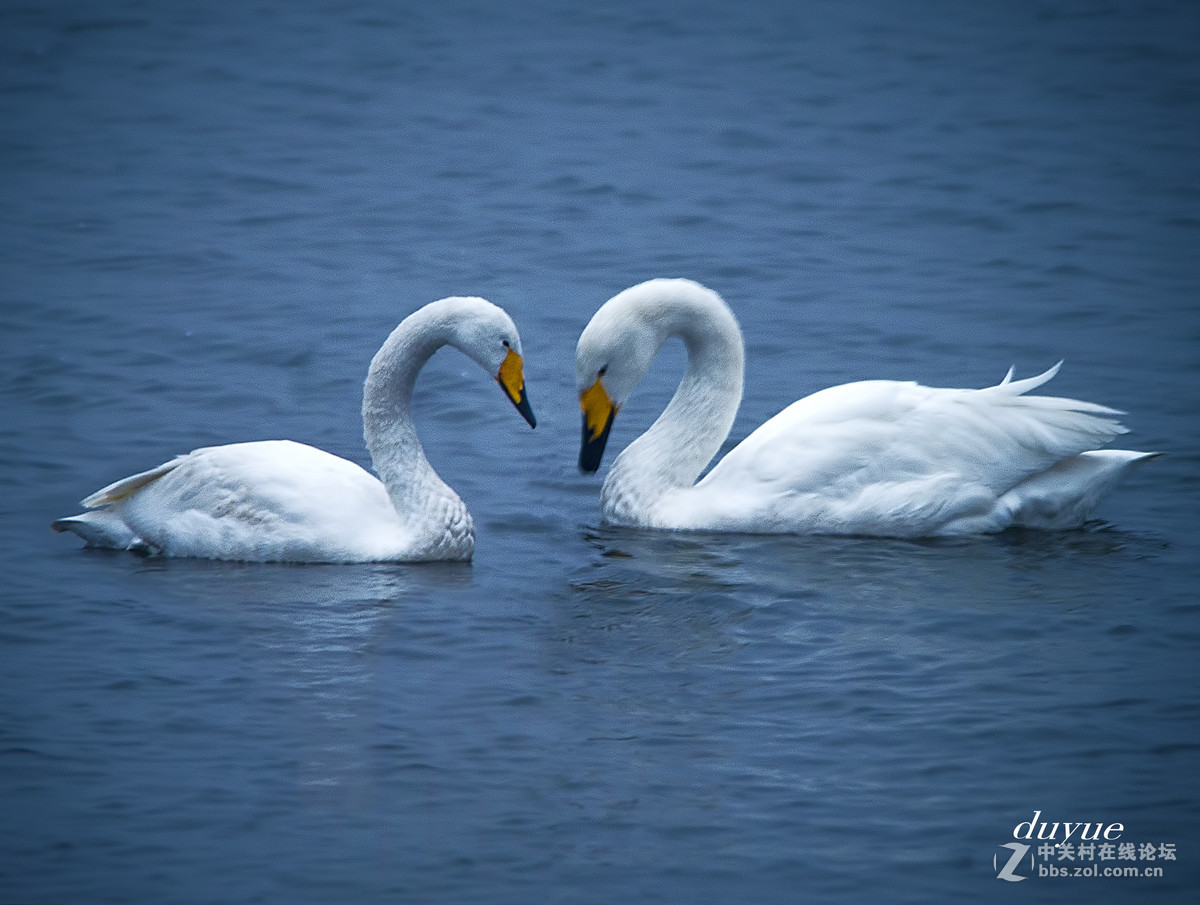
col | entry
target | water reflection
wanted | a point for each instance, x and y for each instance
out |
(1017, 567)
(318, 648)
(271, 584)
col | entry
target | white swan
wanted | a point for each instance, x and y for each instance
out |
(878, 457)
(277, 500)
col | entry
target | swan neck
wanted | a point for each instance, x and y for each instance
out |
(688, 434)
(388, 429)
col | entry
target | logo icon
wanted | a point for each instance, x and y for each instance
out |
(1006, 872)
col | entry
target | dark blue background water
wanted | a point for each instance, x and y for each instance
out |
(212, 216)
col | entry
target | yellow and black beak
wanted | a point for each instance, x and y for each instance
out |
(598, 413)
(512, 380)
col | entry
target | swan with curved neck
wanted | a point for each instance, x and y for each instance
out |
(277, 500)
(875, 457)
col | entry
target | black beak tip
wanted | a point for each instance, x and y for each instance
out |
(591, 449)
(526, 411)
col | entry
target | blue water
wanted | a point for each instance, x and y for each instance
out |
(214, 213)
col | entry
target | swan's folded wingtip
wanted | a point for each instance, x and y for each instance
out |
(127, 487)
(1025, 384)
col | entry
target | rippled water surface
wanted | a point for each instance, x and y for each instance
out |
(213, 215)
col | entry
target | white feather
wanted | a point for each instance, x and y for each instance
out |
(277, 500)
(876, 457)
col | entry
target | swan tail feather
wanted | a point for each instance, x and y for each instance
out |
(99, 529)
(1064, 495)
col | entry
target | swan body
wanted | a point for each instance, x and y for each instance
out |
(876, 457)
(277, 500)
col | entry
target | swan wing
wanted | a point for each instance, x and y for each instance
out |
(901, 458)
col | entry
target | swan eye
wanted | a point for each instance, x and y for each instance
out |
(602, 371)
(504, 342)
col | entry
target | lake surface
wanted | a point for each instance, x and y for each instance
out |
(214, 214)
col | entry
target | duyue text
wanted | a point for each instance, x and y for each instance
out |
(1065, 831)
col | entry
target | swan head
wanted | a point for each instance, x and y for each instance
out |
(486, 334)
(614, 353)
